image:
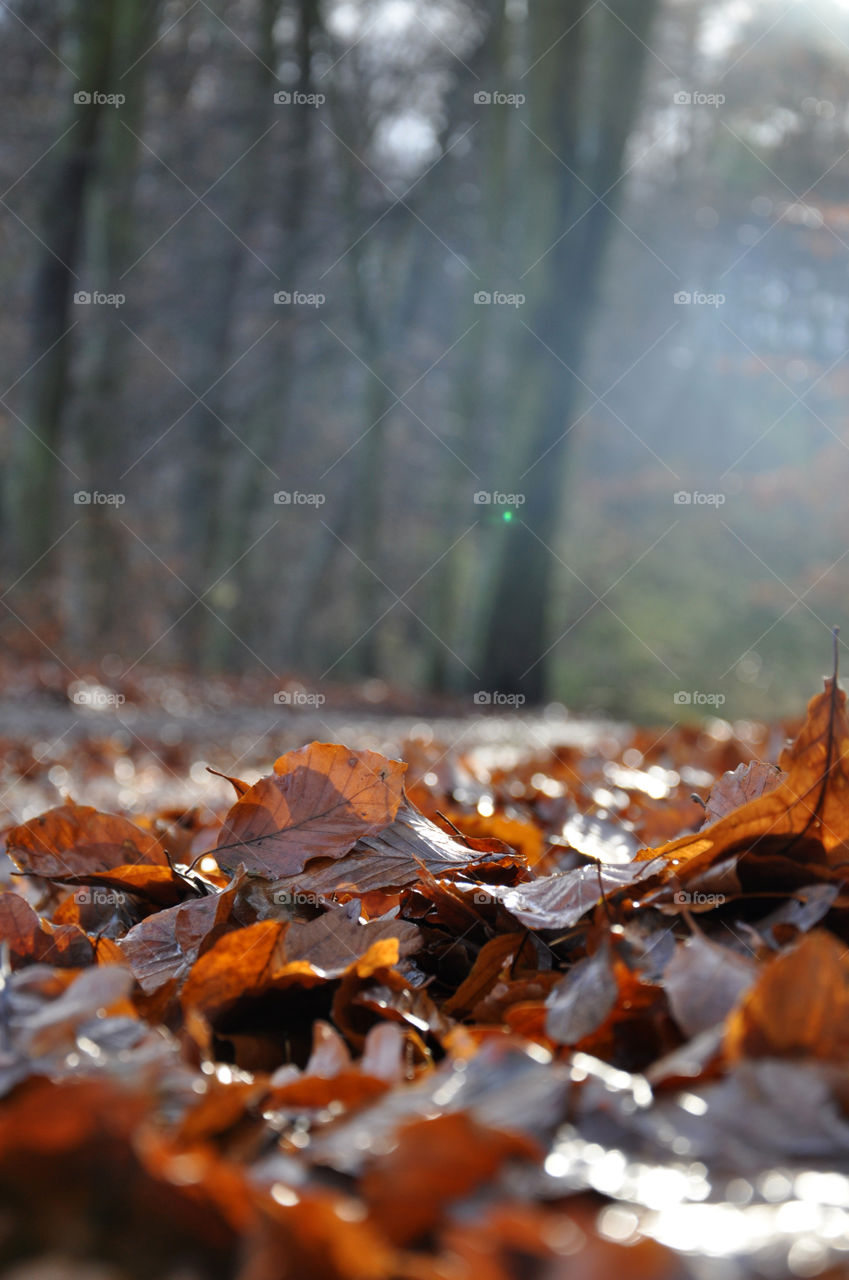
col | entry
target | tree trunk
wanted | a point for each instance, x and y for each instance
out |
(583, 95)
(235, 487)
(37, 474)
(104, 351)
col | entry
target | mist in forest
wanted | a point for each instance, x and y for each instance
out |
(489, 348)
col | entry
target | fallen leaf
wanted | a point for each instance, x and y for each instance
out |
(583, 999)
(559, 901)
(491, 960)
(739, 786)
(55, 1024)
(75, 838)
(391, 859)
(798, 1007)
(318, 803)
(31, 939)
(433, 1164)
(809, 806)
(704, 981)
(162, 948)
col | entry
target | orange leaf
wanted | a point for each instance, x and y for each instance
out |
(490, 961)
(433, 1164)
(75, 838)
(240, 964)
(810, 802)
(799, 1006)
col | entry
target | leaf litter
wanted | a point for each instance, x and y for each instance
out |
(463, 1016)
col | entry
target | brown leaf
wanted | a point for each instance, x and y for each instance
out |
(739, 786)
(491, 960)
(330, 1077)
(31, 939)
(151, 882)
(808, 807)
(334, 939)
(163, 947)
(79, 1157)
(799, 1006)
(318, 803)
(391, 859)
(704, 981)
(385, 995)
(75, 838)
(271, 955)
(583, 1000)
(240, 964)
(321, 1237)
(508, 833)
(238, 785)
(434, 1164)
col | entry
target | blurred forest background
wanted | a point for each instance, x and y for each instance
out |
(354, 267)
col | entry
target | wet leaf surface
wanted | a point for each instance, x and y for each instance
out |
(476, 1028)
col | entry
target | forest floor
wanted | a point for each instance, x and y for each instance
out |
(153, 747)
(469, 994)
